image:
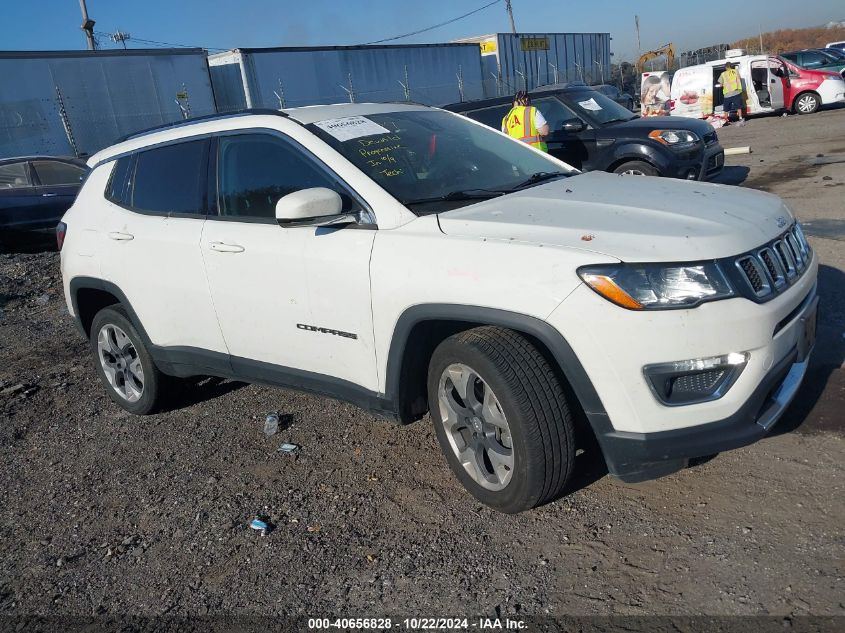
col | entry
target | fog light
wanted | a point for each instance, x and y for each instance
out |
(695, 380)
(692, 175)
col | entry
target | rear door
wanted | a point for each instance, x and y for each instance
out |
(58, 183)
(692, 92)
(158, 202)
(777, 77)
(20, 202)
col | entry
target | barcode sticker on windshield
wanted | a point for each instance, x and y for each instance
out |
(590, 104)
(349, 127)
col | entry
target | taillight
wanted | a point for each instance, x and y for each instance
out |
(61, 231)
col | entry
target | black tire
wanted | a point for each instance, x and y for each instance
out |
(532, 401)
(155, 384)
(639, 167)
(806, 103)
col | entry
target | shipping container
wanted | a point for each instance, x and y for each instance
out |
(77, 102)
(524, 61)
(433, 74)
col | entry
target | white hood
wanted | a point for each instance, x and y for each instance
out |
(633, 218)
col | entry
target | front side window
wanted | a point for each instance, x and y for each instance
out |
(554, 112)
(14, 176)
(53, 172)
(171, 179)
(256, 170)
(430, 159)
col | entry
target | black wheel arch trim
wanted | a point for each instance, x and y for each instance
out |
(553, 340)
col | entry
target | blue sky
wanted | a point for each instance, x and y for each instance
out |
(54, 24)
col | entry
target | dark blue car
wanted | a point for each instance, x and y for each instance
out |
(35, 191)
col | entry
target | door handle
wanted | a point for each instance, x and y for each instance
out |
(223, 247)
(121, 237)
(48, 195)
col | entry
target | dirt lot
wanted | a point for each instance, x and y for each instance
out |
(103, 513)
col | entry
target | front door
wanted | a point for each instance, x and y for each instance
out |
(574, 148)
(293, 303)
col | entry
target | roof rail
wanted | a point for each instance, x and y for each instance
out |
(206, 117)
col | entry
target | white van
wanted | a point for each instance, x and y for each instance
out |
(769, 83)
(695, 91)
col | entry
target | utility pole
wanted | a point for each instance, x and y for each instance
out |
(761, 39)
(87, 26)
(510, 15)
(639, 47)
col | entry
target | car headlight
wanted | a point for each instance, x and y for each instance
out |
(674, 137)
(657, 286)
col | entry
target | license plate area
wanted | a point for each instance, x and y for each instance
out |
(807, 330)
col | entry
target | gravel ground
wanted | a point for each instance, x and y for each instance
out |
(105, 513)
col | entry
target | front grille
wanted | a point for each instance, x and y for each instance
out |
(776, 265)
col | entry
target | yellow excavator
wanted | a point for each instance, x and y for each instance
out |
(668, 50)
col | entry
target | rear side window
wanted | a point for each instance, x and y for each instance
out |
(170, 179)
(53, 172)
(118, 186)
(14, 175)
(491, 117)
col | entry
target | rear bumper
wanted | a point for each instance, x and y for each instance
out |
(634, 457)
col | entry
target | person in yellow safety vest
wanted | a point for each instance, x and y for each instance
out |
(731, 92)
(525, 122)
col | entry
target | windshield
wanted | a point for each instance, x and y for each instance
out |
(596, 107)
(431, 160)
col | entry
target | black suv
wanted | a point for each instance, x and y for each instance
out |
(592, 132)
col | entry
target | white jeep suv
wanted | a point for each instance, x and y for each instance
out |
(409, 260)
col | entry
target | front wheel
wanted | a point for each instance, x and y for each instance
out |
(501, 418)
(807, 103)
(636, 168)
(123, 363)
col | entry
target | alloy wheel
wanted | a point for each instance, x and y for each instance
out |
(807, 103)
(476, 427)
(120, 362)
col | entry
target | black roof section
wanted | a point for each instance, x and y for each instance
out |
(301, 49)
(198, 119)
(463, 106)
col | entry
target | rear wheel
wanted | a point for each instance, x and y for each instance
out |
(636, 168)
(501, 418)
(806, 103)
(124, 364)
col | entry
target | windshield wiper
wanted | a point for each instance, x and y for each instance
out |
(540, 176)
(454, 196)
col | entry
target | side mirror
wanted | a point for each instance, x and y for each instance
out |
(317, 206)
(573, 125)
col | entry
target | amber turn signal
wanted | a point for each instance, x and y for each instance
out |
(608, 289)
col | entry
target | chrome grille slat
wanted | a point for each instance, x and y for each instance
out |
(776, 265)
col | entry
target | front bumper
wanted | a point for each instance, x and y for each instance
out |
(634, 457)
(702, 164)
(642, 438)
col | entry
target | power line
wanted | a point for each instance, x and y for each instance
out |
(436, 26)
(132, 38)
